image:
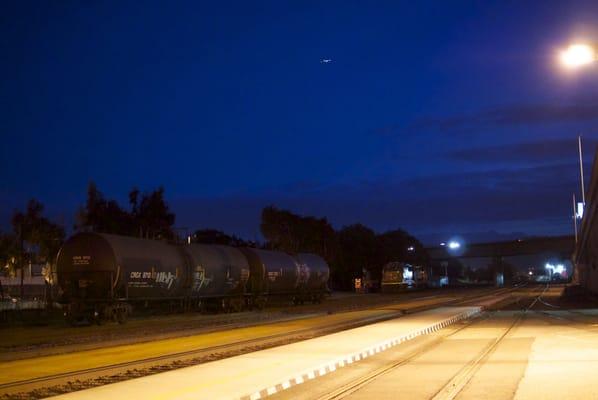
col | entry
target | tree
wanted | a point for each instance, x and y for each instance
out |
(213, 236)
(38, 239)
(398, 245)
(9, 253)
(293, 233)
(151, 215)
(101, 215)
(149, 218)
(279, 227)
(358, 251)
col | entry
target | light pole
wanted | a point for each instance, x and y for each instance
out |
(579, 55)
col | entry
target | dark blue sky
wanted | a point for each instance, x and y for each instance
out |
(439, 117)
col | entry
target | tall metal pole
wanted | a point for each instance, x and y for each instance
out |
(583, 190)
(574, 217)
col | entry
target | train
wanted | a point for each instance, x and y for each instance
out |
(101, 277)
(398, 276)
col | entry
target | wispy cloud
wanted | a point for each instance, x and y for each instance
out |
(513, 115)
(536, 151)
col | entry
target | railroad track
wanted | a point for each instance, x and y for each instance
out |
(458, 382)
(43, 386)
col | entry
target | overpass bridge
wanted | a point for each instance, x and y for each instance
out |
(529, 254)
(561, 245)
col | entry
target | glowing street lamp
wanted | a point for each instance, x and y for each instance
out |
(454, 245)
(578, 55)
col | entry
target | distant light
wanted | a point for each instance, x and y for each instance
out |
(410, 248)
(579, 212)
(454, 245)
(443, 244)
(188, 239)
(578, 55)
(555, 269)
(530, 273)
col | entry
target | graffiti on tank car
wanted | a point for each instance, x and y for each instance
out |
(200, 280)
(303, 275)
(166, 278)
(273, 275)
(244, 274)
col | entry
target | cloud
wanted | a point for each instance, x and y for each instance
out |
(513, 115)
(545, 150)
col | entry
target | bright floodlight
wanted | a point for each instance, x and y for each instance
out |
(454, 245)
(556, 269)
(578, 55)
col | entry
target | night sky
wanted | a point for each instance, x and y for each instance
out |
(443, 118)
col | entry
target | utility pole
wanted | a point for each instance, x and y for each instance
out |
(21, 260)
(575, 217)
(583, 190)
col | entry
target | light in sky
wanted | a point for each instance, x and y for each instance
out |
(325, 60)
(578, 55)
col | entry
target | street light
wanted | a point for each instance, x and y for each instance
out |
(454, 245)
(578, 55)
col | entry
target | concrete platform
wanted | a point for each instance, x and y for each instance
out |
(256, 375)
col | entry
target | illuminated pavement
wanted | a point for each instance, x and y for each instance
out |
(257, 374)
(546, 355)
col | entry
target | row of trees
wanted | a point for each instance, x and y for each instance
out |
(34, 240)
(348, 251)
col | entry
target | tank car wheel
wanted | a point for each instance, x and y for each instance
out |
(70, 319)
(121, 316)
(226, 306)
(260, 302)
(237, 304)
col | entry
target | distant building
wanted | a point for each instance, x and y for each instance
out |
(585, 256)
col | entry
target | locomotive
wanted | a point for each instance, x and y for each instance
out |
(398, 276)
(100, 276)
